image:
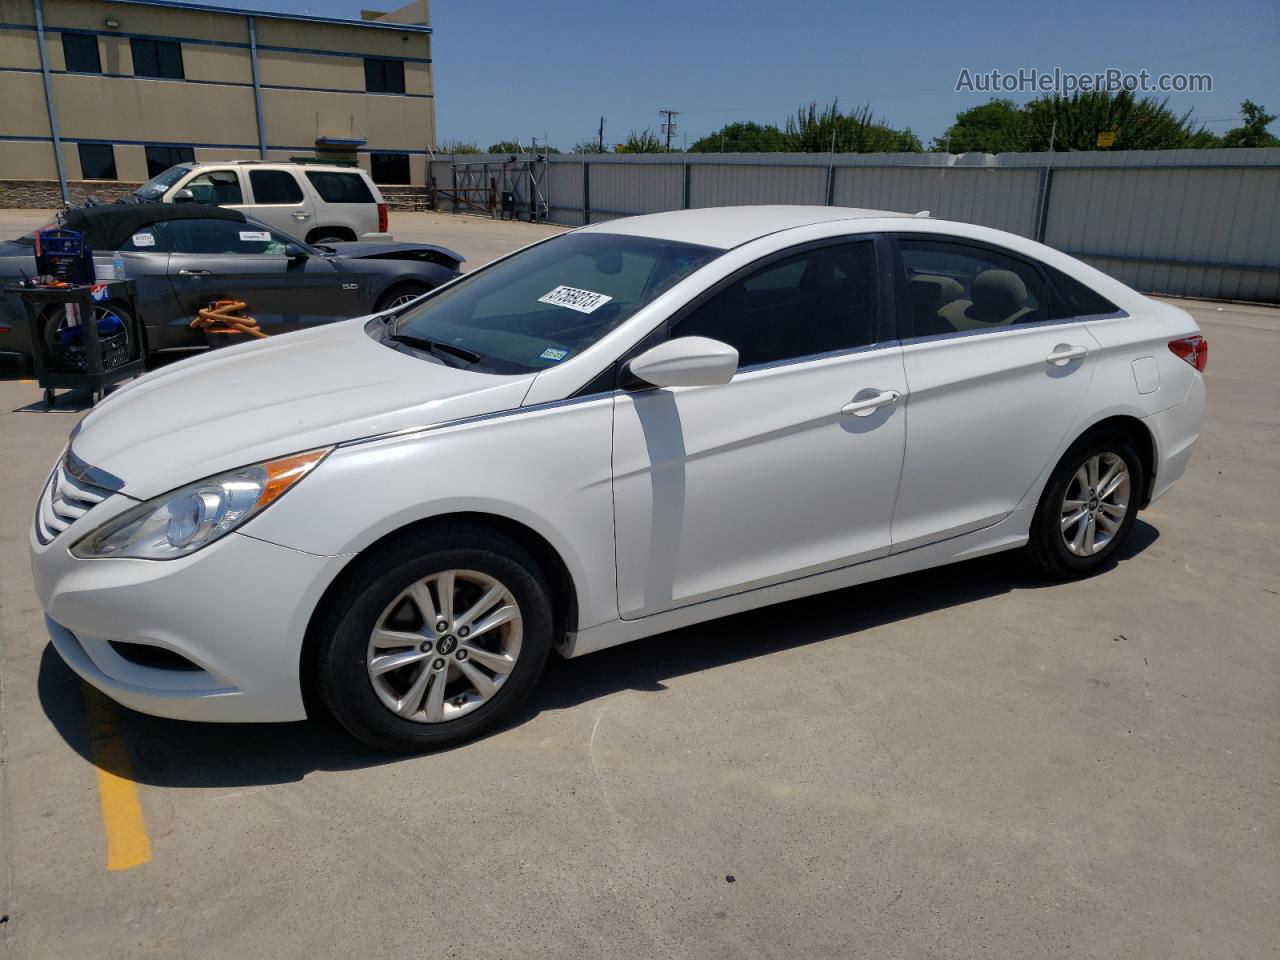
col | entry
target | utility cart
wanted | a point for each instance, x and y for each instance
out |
(83, 336)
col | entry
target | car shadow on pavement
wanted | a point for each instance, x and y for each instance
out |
(172, 753)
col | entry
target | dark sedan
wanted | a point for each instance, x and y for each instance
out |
(183, 258)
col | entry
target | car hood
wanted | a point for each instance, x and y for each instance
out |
(363, 249)
(260, 400)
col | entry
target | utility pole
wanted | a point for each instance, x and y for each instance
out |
(600, 137)
(669, 123)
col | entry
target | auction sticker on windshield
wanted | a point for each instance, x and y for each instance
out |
(584, 301)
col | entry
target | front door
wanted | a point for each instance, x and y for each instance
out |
(996, 381)
(228, 260)
(791, 468)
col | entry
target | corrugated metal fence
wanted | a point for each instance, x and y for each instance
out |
(1202, 223)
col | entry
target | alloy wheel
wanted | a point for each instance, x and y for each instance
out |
(444, 646)
(1095, 504)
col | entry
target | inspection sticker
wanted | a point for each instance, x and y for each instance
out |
(584, 301)
(553, 353)
(143, 240)
(255, 235)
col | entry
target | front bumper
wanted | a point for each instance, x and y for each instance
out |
(376, 237)
(237, 611)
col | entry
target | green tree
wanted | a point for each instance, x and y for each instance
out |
(459, 146)
(589, 146)
(1254, 131)
(742, 137)
(1074, 122)
(816, 131)
(644, 142)
(997, 126)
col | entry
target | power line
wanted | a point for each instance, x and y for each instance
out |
(668, 125)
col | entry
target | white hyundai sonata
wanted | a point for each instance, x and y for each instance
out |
(631, 427)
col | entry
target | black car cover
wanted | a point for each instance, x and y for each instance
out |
(109, 226)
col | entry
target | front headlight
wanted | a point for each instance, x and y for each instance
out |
(191, 517)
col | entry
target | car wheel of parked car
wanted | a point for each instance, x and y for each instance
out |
(1088, 506)
(399, 295)
(434, 641)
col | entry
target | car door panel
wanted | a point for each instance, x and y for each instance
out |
(722, 489)
(989, 404)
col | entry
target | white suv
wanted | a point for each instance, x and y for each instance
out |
(318, 203)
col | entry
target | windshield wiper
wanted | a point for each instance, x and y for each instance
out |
(436, 347)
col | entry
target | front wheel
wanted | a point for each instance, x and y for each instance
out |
(436, 641)
(1088, 506)
(399, 295)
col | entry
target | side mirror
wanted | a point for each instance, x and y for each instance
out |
(295, 251)
(183, 196)
(686, 362)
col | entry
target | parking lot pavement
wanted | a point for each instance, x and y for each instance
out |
(968, 762)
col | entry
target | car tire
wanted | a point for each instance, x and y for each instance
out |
(54, 318)
(329, 238)
(400, 294)
(380, 605)
(1076, 498)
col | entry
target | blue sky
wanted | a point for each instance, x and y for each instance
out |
(515, 70)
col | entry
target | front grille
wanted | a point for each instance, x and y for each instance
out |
(64, 501)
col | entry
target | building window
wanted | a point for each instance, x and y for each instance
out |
(389, 167)
(80, 51)
(97, 161)
(157, 58)
(383, 76)
(160, 159)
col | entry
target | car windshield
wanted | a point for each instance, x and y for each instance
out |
(154, 188)
(547, 304)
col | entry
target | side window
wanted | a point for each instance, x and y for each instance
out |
(274, 186)
(954, 287)
(215, 187)
(340, 187)
(144, 240)
(1077, 300)
(80, 52)
(220, 236)
(819, 301)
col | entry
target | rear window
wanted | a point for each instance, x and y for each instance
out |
(274, 186)
(1080, 301)
(340, 187)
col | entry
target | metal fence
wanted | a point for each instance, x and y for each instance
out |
(1203, 223)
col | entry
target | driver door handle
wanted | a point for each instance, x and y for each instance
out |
(194, 273)
(864, 406)
(1064, 353)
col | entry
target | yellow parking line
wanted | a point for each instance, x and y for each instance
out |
(128, 845)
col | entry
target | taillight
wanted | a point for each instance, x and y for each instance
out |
(1194, 350)
(382, 218)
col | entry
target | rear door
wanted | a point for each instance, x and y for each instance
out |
(228, 260)
(996, 382)
(280, 202)
(344, 199)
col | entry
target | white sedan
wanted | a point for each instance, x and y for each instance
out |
(628, 428)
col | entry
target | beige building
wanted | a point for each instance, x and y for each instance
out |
(118, 90)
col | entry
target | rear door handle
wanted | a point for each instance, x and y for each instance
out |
(863, 405)
(300, 215)
(194, 273)
(1064, 353)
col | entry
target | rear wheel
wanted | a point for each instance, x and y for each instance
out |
(329, 238)
(1088, 506)
(435, 641)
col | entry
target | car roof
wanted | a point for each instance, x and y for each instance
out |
(109, 226)
(727, 227)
